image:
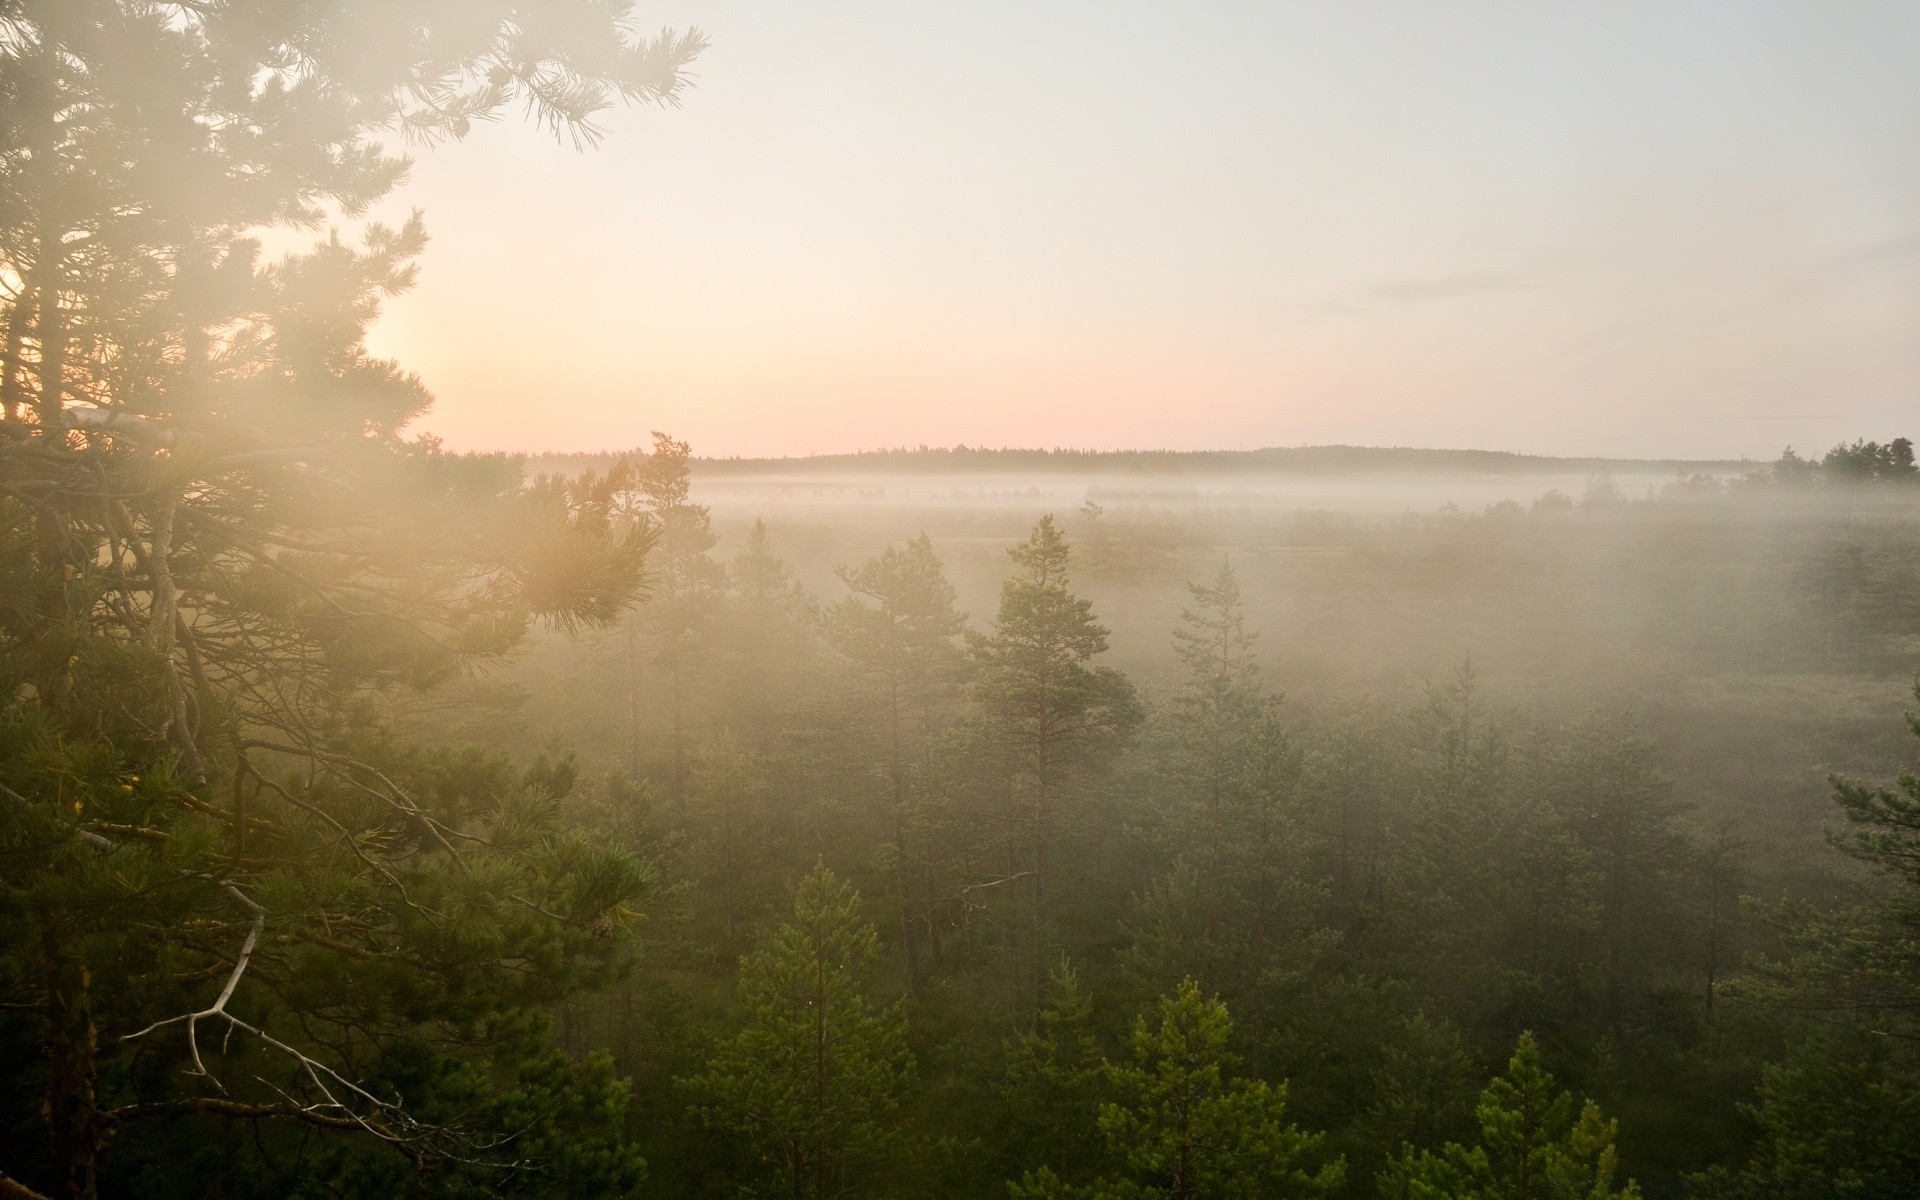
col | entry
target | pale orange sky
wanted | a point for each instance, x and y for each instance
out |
(1683, 229)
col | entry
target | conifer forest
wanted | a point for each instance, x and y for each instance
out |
(384, 820)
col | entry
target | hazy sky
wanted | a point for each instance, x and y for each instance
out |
(1618, 228)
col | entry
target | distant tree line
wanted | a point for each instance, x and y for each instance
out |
(1303, 460)
(1857, 464)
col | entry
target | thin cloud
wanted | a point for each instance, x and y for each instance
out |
(1608, 347)
(1381, 297)
(1446, 287)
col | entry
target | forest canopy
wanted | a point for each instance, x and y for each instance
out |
(379, 820)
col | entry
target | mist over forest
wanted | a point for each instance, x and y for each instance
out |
(381, 818)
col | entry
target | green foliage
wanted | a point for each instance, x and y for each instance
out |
(272, 924)
(1604, 784)
(1533, 1145)
(421, 968)
(772, 639)
(1832, 1119)
(1424, 1087)
(1034, 678)
(1871, 462)
(238, 897)
(1179, 1124)
(1884, 823)
(899, 632)
(814, 1077)
(1831, 1113)
(1056, 720)
(1238, 904)
(1053, 1084)
(899, 629)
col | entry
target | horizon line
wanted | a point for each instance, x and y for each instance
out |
(1071, 452)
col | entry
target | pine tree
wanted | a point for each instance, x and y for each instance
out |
(1178, 1125)
(815, 1076)
(1831, 1114)
(1219, 710)
(1054, 1081)
(1533, 1145)
(677, 623)
(1352, 778)
(1489, 884)
(249, 899)
(1603, 780)
(1059, 718)
(899, 631)
(1240, 894)
(1832, 1121)
(773, 622)
(1424, 1088)
(726, 798)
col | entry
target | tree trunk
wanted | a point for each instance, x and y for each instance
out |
(11, 397)
(679, 741)
(72, 1123)
(909, 942)
(633, 703)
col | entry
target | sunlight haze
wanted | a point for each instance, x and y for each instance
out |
(1632, 229)
(1048, 602)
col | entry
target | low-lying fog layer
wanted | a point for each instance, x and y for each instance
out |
(1740, 619)
(759, 493)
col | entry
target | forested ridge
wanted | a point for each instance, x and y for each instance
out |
(382, 821)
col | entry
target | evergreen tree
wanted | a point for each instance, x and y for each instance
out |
(1352, 778)
(251, 902)
(145, 149)
(1866, 462)
(1858, 963)
(1831, 1114)
(1178, 1125)
(677, 623)
(1219, 710)
(815, 1076)
(1532, 1146)
(1278, 899)
(1054, 1082)
(900, 631)
(1059, 718)
(1832, 1121)
(1603, 780)
(773, 622)
(728, 830)
(1240, 896)
(1490, 892)
(1424, 1088)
